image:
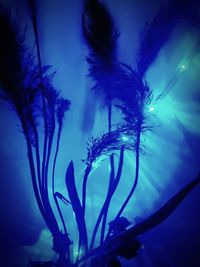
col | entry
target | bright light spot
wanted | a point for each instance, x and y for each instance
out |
(124, 138)
(76, 253)
(183, 67)
(151, 109)
(96, 163)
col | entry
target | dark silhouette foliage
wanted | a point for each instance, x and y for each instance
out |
(27, 85)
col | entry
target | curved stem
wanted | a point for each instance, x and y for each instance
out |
(44, 182)
(37, 154)
(53, 178)
(108, 198)
(55, 157)
(113, 183)
(147, 224)
(102, 212)
(137, 163)
(119, 171)
(33, 174)
(84, 187)
(134, 184)
(106, 204)
(34, 22)
(109, 195)
(77, 207)
(60, 214)
(50, 142)
(43, 192)
(109, 116)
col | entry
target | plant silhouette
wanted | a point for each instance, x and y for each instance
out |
(28, 85)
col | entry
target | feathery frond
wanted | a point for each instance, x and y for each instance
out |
(132, 94)
(101, 38)
(113, 80)
(157, 32)
(99, 31)
(11, 51)
(109, 142)
(63, 106)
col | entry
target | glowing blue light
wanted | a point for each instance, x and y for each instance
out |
(151, 109)
(95, 165)
(124, 138)
(76, 253)
(183, 67)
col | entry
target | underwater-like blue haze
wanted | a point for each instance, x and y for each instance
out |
(171, 151)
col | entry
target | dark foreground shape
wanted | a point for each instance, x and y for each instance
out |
(125, 244)
(41, 264)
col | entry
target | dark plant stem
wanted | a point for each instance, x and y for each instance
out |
(108, 198)
(109, 116)
(118, 176)
(111, 190)
(34, 21)
(33, 174)
(103, 211)
(63, 261)
(44, 154)
(53, 178)
(44, 197)
(112, 176)
(137, 166)
(37, 153)
(159, 216)
(137, 159)
(50, 142)
(119, 171)
(55, 157)
(97, 226)
(77, 208)
(60, 214)
(51, 217)
(84, 187)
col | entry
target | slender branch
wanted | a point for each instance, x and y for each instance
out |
(137, 158)
(33, 174)
(119, 171)
(34, 22)
(111, 190)
(112, 175)
(37, 154)
(108, 198)
(88, 168)
(109, 116)
(136, 179)
(53, 178)
(50, 142)
(55, 157)
(84, 187)
(120, 240)
(77, 207)
(60, 214)
(97, 226)
(44, 178)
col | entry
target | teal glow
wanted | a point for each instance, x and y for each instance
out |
(169, 155)
(183, 67)
(151, 109)
(125, 138)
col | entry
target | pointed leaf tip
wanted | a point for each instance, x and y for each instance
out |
(70, 170)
